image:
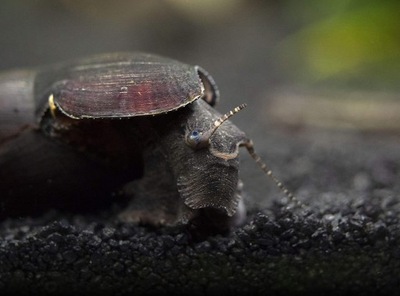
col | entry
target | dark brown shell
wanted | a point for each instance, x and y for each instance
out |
(122, 85)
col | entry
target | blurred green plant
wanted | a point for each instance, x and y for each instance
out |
(347, 42)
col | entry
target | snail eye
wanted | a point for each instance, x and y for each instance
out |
(193, 138)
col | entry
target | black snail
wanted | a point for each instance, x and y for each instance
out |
(104, 125)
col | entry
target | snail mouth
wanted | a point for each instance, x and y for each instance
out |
(214, 189)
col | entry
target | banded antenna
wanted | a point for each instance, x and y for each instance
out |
(250, 148)
(225, 117)
(198, 140)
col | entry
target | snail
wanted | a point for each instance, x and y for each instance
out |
(132, 124)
